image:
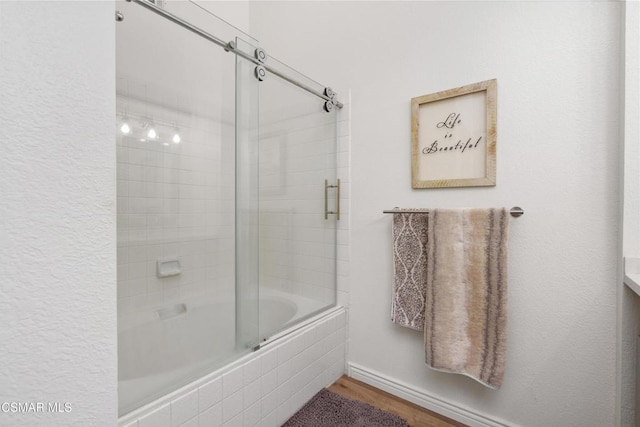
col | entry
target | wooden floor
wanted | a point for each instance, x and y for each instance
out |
(414, 414)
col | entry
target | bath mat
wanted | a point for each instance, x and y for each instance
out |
(328, 409)
(466, 303)
(409, 234)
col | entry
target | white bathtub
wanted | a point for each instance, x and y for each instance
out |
(162, 350)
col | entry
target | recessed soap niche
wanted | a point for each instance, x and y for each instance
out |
(168, 267)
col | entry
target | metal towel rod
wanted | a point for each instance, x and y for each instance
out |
(515, 211)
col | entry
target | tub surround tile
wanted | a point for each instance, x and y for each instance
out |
(269, 361)
(232, 406)
(284, 392)
(283, 412)
(210, 394)
(232, 381)
(269, 403)
(343, 297)
(159, 418)
(234, 422)
(341, 336)
(282, 378)
(211, 417)
(251, 415)
(299, 344)
(193, 422)
(299, 362)
(341, 319)
(285, 352)
(251, 371)
(268, 382)
(252, 394)
(184, 408)
(333, 373)
(284, 372)
(310, 337)
(270, 420)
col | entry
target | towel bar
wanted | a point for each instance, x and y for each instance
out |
(515, 211)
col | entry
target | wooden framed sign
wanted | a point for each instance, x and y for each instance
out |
(453, 137)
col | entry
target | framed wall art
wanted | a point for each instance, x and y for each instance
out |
(453, 137)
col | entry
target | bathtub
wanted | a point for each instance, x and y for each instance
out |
(164, 349)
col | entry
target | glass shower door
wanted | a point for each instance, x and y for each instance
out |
(294, 159)
(246, 201)
(176, 202)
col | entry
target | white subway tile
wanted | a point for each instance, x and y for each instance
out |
(332, 324)
(184, 408)
(269, 361)
(343, 128)
(251, 370)
(342, 253)
(284, 392)
(136, 287)
(299, 344)
(234, 422)
(210, 394)
(193, 422)
(284, 412)
(161, 417)
(310, 336)
(270, 420)
(268, 382)
(298, 363)
(336, 371)
(285, 351)
(123, 272)
(342, 298)
(211, 417)
(137, 253)
(269, 403)
(251, 416)
(341, 335)
(232, 406)
(284, 372)
(299, 399)
(251, 393)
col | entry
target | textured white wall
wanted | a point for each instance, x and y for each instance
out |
(557, 65)
(58, 224)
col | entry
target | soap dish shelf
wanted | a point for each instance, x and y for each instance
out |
(168, 267)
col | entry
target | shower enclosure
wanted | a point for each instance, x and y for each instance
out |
(227, 197)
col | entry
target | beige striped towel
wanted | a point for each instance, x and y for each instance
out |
(466, 293)
(409, 234)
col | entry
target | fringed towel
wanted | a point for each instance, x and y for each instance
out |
(466, 293)
(409, 233)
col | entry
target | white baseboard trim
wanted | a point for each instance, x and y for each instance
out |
(420, 398)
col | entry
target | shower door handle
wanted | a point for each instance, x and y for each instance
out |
(327, 212)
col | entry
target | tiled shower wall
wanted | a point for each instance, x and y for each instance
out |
(343, 232)
(175, 201)
(297, 249)
(268, 386)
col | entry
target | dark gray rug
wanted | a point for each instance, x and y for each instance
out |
(328, 409)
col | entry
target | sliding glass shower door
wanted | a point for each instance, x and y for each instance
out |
(294, 191)
(175, 137)
(227, 198)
